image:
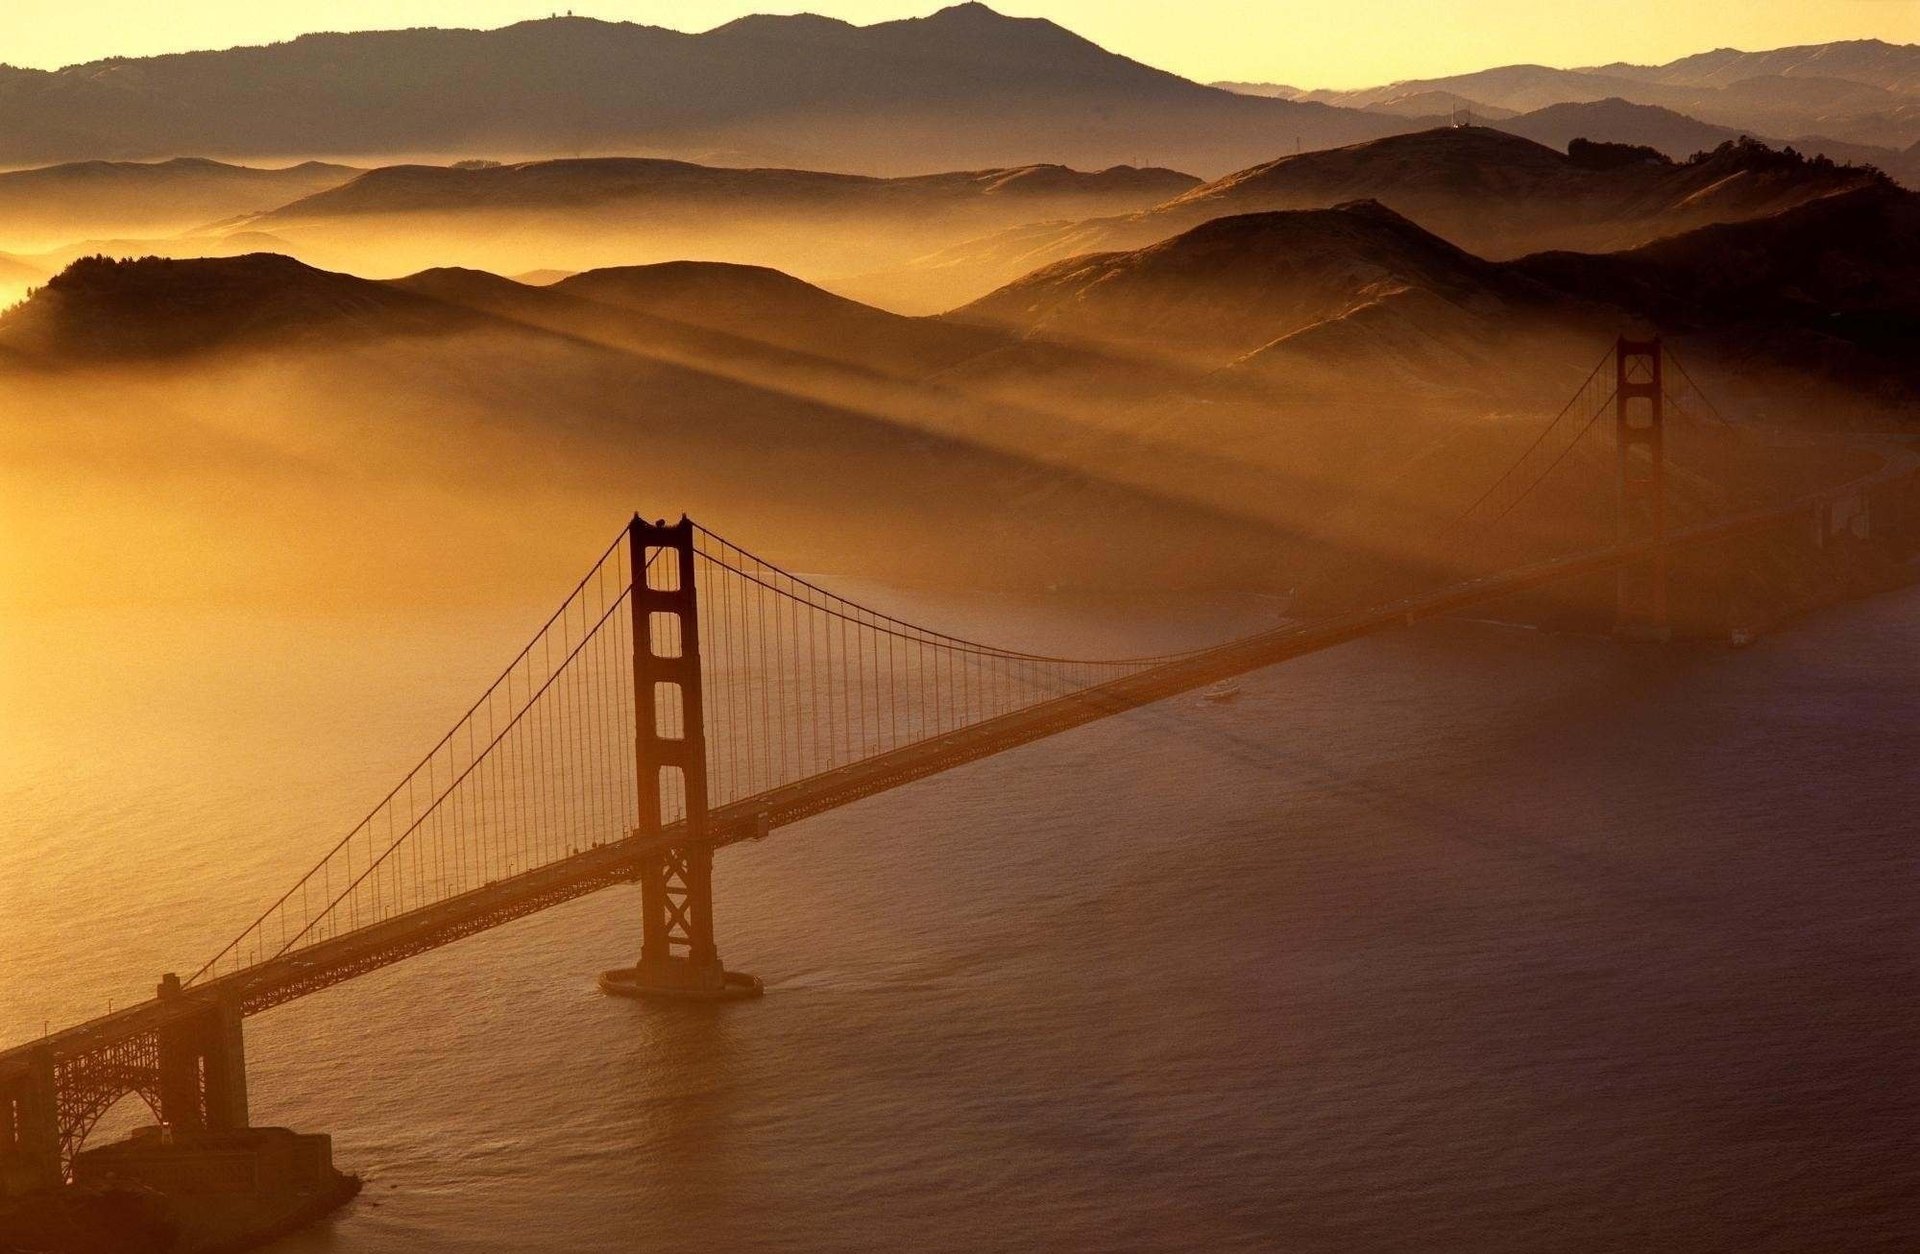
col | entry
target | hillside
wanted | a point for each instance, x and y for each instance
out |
(1492, 193)
(767, 307)
(964, 88)
(54, 205)
(1830, 288)
(1236, 284)
(1618, 121)
(100, 309)
(744, 319)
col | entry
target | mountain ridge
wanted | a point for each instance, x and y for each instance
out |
(1863, 92)
(779, 90)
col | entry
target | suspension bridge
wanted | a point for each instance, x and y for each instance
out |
(689, 694)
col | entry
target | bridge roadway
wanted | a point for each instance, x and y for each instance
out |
(341, 958)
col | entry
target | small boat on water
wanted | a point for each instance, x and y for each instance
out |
(1221, 694)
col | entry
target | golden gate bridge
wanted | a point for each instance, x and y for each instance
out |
(689, 694)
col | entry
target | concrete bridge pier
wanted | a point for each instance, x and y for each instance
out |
(203, 1064)
(29, 1126)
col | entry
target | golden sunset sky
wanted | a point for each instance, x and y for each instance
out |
(1309, 43)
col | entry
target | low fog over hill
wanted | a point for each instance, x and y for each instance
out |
(1253, 399)
(589, 212)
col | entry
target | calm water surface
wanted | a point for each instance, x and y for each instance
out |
(1464, 938)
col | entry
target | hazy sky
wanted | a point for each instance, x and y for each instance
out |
(1339, 43)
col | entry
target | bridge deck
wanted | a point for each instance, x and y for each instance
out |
(341, 958)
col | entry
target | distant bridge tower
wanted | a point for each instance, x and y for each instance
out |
(678, 957)
(1641, 512)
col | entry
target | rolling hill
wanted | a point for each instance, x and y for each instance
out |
(1492, 193)
(1236, 284)
(594, 212)
(1830, 288)
(99, 309)
(468, 386)
(1356, 297)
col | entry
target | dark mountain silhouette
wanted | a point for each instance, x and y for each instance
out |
(1830, 288)
(963, 88)
(1353, 298)
(1856, 91)
(1495, 194)
(62, 203)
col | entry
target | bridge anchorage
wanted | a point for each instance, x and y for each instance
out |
(678, 957)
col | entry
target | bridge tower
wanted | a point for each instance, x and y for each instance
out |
(1639, 416)
(678, 957)
(29, 1125)
(203, 1062)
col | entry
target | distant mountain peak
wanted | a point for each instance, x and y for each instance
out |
(970, 11)
(963, 87)
(783, 24)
